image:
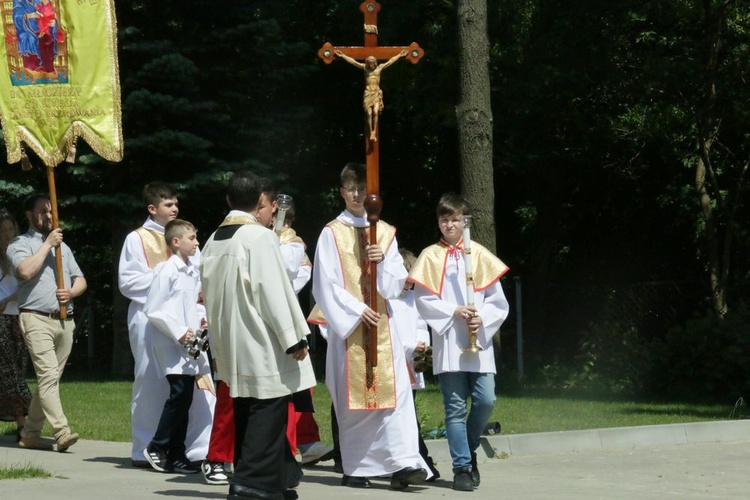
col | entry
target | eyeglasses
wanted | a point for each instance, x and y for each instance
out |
(354, 190)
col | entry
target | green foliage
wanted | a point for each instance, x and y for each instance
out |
(100, 410)
(612, 358)
(706, 359)
(424, 412)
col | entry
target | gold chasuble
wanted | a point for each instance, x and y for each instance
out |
(429, 269)
(154, 246)
(59, 79)
(370, 388)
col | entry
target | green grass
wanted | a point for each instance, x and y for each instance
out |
(100, 410)
(23, 471)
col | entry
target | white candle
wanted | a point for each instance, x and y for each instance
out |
(467, 261)
(283, 203)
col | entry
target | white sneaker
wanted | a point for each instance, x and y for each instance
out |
(214, 473)
(315, 452)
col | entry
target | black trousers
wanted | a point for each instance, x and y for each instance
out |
(423, 451)
(262, 456)
(335, 436)
(173, 424)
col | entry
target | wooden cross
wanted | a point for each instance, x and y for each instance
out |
(373, 204)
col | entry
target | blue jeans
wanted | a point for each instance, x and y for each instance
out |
(464, 433)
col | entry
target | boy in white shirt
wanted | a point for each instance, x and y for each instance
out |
(173, 318)
(142, 251)
(440, 276)
(414, 335)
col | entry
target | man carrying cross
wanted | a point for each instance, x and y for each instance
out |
(377, 430)
(373, 100)
(357, 268)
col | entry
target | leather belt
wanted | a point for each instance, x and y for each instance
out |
(52, 315)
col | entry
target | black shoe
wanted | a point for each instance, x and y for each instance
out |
(214, 473)
(410, 475)
(338, 467)
(355, 482)
(435, 472)
(462, 480)
(238, 492)
(157, 460)
(183, 466)
(140, 464)
(475, 477)
(291, 495)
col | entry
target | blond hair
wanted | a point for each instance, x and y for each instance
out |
(176, 229)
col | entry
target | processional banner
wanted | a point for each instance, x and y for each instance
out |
(59, 78)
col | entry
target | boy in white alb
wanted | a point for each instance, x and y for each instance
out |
(303, 432)
(143, 249)
(440, 276)
(173, 320)
(293, 252)
(375, 411)
(414, 335)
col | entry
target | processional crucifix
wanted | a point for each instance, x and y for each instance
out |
(371, 53)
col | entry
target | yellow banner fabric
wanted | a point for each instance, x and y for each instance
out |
(59, 78)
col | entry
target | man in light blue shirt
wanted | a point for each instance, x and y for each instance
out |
(48, 337)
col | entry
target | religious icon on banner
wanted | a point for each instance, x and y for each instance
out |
(35, 42)
(59, 78)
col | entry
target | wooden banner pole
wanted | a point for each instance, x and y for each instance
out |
(55, 224)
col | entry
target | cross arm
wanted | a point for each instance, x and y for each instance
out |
(328, 52)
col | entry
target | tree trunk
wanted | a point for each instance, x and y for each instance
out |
(706, 182)
(474, 116)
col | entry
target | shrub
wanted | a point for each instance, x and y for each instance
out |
(704, 360)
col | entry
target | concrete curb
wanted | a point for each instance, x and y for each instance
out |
(600, 439)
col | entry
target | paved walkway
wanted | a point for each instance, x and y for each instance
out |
(685, 461)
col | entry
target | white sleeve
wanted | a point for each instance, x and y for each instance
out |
(391, 273)
(303, 276)
(292, 255)
(164, 307)
(341, 309)
(423, 333)
(493, 309)
(134, 277)
(438, 313)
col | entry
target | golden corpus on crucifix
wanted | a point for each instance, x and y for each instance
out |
(366, 58)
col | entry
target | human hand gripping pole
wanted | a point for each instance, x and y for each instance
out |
(60, 277)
